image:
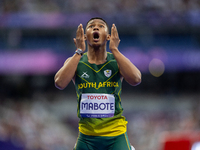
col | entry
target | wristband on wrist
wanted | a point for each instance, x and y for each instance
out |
(79, 51)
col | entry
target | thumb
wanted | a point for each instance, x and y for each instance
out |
(75, 41)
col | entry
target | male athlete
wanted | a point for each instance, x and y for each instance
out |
(97, 75)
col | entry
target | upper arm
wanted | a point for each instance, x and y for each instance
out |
(67, 60)
(121, 76)
(133, 78)
(73, 79)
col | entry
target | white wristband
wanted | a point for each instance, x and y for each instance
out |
(79, 51)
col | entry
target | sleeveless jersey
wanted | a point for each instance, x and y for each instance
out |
(92, 80)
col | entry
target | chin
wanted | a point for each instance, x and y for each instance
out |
(96, 45)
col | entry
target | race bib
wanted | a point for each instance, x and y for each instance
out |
(97, 105)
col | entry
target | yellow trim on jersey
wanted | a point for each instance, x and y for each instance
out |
(114, 127)
(78, 111)
(126, 141)
(76, 141)
(119, 98)
(95, 82)
(93, 68)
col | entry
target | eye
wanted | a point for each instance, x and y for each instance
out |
(91, 26)
(101, 26)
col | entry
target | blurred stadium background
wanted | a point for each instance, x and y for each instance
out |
(162, 38)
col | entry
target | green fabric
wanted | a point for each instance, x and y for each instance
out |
(90, 78)
(85, 142)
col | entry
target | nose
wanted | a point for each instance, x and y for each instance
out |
(95, 28)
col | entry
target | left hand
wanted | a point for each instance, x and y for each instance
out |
(114, 39)
(79, 41)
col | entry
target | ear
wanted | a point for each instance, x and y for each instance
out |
(85, 38)
(108, 37)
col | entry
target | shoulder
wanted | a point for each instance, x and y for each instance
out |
(84, 57)
(110, 56)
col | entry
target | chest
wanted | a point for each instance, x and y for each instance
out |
(93, 72)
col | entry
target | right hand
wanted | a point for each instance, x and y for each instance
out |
(114, 38)
(79, 41)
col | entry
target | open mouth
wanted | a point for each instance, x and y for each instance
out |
(96, 35)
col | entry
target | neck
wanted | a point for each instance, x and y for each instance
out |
(97, 55)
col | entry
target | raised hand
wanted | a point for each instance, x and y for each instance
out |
(79, 41)
(114, 39)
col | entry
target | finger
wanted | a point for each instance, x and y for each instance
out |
(115, 31)
(82, 31)
(112, 30)
(78, 30)
(75, 41)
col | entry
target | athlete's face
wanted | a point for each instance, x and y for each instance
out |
(96, 32)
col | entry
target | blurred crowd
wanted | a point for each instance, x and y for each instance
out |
(106, 7)
(35, 125)
(133, 12)
(147, 129)
(42, 124)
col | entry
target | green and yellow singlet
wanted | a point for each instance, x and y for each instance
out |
(98, 90)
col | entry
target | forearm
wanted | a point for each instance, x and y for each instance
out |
(127, 69)
(67, 72)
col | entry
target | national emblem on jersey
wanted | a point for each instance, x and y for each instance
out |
(85, 75)
(107, 73)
